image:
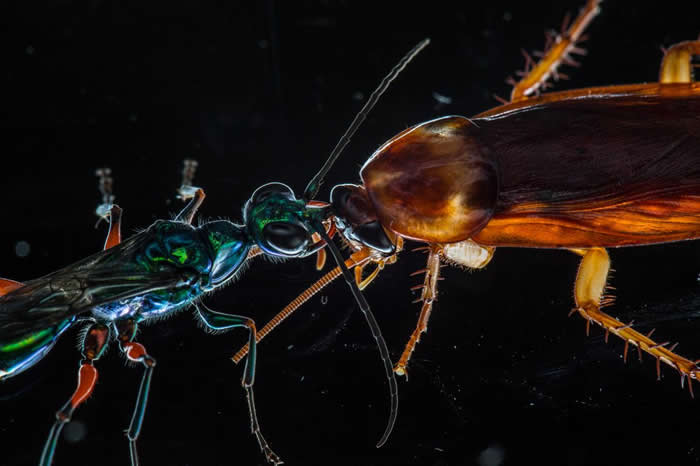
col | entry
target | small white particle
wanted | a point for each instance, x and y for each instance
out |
(442, 99)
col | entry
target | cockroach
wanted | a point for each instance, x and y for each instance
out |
(583, 170)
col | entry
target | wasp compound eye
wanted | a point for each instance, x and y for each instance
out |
(286, 239)
(269, 190)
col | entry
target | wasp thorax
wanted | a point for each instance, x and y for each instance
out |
(434, 182)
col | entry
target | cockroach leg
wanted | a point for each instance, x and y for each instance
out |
(557, 52)
(188, 212)
(219, 321)
(320, 255)
(114, 236)
(428, 297)
(676, 66)
(94, 344)
(589, 293)
(357, 259)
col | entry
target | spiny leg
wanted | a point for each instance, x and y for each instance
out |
(558, 51)
(428, 296)
(220, 321)
(589, 294)
(94, 344)
(135, 352)
(677, 65)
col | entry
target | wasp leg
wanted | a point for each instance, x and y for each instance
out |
(558, 51)
(428, 296)
(94, 344)
(358, 259)
(187, 214)
(589, 292)
(7, 285)
(677, 66)
(135, 352)
(114, 236)
(220, 321)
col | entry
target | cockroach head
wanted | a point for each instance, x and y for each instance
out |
(357, 220)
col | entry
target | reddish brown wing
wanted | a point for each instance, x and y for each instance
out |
(595, 171)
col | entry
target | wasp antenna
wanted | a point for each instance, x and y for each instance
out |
(374, 327)
(315, 183)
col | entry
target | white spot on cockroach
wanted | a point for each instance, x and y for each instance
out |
(30, 50)
(22, 248)
(302, 379)
(290, 347)
(439, 449)
(507, 16)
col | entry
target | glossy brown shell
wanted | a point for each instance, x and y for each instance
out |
(433, 182)
(596, 167)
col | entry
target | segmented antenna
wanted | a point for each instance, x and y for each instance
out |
(105, 184)
(315, 183)
(186, 190)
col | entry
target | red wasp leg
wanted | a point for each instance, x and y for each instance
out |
(7, 285)
(677, 66)
(428, 296)
(187, 214)
(563, 45)
(114, 236)
(94, 344)
(589, 294)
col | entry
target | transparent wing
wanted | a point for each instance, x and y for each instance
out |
(100, 279)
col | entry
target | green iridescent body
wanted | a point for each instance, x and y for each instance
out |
(150, 275)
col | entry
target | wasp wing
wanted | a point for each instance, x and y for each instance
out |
(105, 277)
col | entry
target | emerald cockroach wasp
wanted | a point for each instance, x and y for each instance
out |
(163, 269)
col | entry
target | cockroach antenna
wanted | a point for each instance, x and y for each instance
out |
(315, 183)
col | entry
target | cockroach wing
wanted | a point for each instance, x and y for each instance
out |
(594, 171)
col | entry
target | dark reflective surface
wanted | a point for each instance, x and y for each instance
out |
(261, 93)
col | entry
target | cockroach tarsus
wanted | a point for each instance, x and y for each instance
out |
(582, 170)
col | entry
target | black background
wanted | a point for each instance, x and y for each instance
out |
(261, 92)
